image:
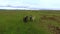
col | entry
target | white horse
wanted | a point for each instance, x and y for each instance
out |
(32, 18)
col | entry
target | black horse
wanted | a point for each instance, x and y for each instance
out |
(25, 19)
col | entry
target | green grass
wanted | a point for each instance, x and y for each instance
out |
(11, 22)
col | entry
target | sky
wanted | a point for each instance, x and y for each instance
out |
(41, 4)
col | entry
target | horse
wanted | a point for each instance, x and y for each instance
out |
(25, 19)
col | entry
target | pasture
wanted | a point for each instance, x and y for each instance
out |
(11, 22)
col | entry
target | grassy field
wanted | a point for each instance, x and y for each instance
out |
(11, 22)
